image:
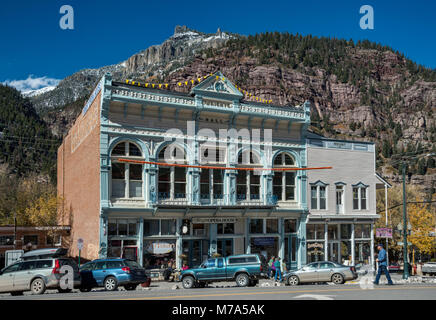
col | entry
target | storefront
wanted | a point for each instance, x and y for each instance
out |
(344, 243)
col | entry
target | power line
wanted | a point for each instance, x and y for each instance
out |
(409, 202)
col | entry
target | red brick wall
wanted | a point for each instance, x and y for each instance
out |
(79, 180)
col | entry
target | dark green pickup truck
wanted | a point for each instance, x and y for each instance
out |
(245, 269)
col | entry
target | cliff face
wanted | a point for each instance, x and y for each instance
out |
(358, 91)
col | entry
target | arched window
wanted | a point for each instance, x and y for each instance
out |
(172, 179)
(126, 177)
(248, 181)
(284, 181)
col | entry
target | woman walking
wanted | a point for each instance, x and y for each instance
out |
(277, 266)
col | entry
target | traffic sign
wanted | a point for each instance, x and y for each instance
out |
(80, 243)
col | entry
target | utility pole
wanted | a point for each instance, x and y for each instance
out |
(405, 255)
(15, 230)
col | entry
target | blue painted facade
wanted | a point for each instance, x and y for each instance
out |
(268, 216)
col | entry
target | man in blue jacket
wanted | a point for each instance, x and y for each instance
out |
(382, 265)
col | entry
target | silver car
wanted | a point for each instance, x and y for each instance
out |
(36, 275)
(322, 271)
(429, 268)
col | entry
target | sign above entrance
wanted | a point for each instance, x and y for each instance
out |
(214, 220)
(264, 241)
(160, 247)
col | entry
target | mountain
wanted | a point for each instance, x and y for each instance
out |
(27, 145)
(37, 92)
(360, 90)
(156, 61)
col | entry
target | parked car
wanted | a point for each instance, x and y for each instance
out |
(37, 271)
(429, 268)
(394, 267)
(245, 269)
(111, 273)
(323, 271)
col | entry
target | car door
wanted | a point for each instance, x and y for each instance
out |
(24, 275)
(207, 270)
(325, 271)
(87, 275)
(220, 270)
(309, 273)
(100, 271)
(7, 277)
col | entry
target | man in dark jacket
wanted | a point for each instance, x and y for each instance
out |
(382, 265)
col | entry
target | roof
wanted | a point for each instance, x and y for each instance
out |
(383, 181)
(313, 135)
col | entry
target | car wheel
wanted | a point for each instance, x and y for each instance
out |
(60, 290)
(188, 282)
(242, 280)
(110, 284)
(16, 293)
(293, 281)
(85, 289)
(337, 278)
(130, 287)
(37, 286)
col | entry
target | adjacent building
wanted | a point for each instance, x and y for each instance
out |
(157, 175)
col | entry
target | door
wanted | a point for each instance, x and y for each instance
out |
(99, 273)
(225, 247)
(334, 251)
(309, 273)
(339, 199)
(24, 275)
(291, 252)
(220, 269)
(130, 253)
(7, 278)
(208, 270)
(195, 251)
(87, 275)
(325, 271)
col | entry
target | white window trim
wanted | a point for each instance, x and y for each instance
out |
(360, 186)
(318, 186)
(283, 184)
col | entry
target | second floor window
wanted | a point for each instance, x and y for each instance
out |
(360, 197)
(126, 177)
(248, 181)
(318, 197)
(172, 180)
(284, 181)
(211, 184)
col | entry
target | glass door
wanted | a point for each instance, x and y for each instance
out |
(195, 251)
(291, 252)
(334, 251)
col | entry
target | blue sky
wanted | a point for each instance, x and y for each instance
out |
(35, 51)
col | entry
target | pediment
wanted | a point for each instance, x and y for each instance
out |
(217, 86)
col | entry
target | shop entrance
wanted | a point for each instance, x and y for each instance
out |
(333, 251)
(225, 247)
(195, 252)
(291, 252)
(266, 246)
(123, 249)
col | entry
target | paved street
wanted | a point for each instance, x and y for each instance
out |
(229, 291)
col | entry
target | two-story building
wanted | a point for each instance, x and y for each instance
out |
(342, 201)
(157, 175)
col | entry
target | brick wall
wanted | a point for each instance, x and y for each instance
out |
(79, 180)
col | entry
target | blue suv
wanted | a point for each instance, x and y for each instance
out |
(111, 273)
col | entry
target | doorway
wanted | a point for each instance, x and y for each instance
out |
(291, 252)
(195, 251)
(333, 251)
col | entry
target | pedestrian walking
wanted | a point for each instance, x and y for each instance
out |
(382, 265)
(277, 265)
(270, 267)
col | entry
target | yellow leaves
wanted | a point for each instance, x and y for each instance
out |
(43, 212)
(422, 220)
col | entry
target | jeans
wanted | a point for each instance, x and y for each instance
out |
(278, 272)
(379, 273)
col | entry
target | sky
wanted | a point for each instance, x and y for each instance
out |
(35, 52)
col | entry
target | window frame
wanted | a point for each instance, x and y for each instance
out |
(247, 185)
(127, 180)
(172, 195)
(360, 189)
(284, 184)
(318, 185)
